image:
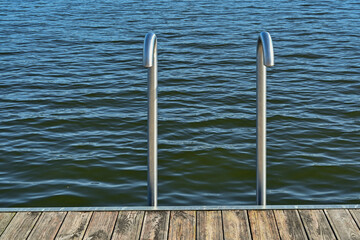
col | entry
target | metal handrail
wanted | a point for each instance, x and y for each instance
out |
(264, 58)
(150, 62)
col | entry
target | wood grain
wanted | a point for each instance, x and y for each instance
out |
(101, 226)
(227, 224)
(155, 225)
(5, 219)
(128, 225)
(289, 224)
(74, 226)
(343, 224)
(356, 215)
(20, 226)
(209, 225)
(236, 224)
(263, 224)
(47, 226)
(182, 225)
(316, 224)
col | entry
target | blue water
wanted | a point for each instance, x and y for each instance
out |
(73, 102)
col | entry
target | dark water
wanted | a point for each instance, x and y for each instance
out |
(73, 102)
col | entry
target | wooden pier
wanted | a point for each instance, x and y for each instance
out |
(182, 224)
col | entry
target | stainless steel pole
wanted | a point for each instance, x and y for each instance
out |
(264, 58)
(150, 62)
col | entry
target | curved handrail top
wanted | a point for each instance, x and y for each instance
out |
(267, 46)
(149, 49)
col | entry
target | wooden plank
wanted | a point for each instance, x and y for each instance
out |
(236, 224)
(316, 224)
(182, 225)
(289, 224)
(47, 226)
(74, 226)
(101, 225)
(263, 224)
(155, 225)
(343, 224)
(5, 219)
(20, 226)
(356, 215)
(128, 225)
(209, 225)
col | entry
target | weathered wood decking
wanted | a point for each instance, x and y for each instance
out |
(183, 224)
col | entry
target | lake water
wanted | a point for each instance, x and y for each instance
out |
(74, 93)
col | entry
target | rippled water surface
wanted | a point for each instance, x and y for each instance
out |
(73, 102)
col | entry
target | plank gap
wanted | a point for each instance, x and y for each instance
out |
(316, 224)
(328, 220)
(343, 223)
(263, 224)
(353, 214)
(170, 217)
(248, 219)
(21, 225)
(113, 228)
(37, 220)
(302, 222)
(289, 224)
(222, 224)
(87, 226)
(47, 226)
(128, 225)
(276, 224)
(74, 225)
(5, 221)
(101, 225)
(196, 224)
(142, 225)
(61, 225)
(155, 224)
(236, 225)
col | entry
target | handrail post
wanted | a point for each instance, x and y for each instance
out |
(150, 62)
(264, 58)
